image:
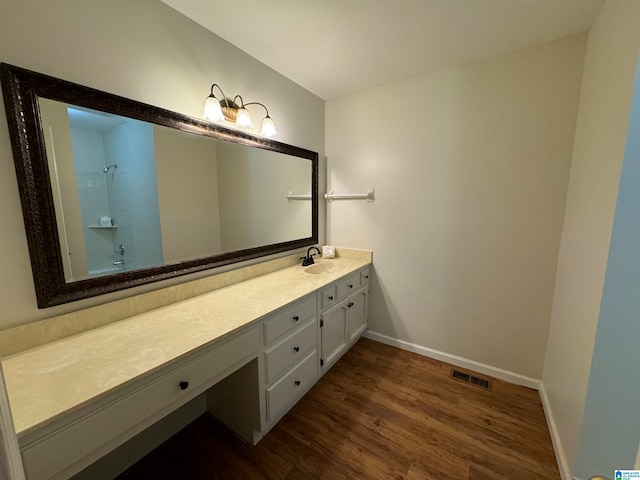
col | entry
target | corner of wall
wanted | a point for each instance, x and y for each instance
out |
(556, 440)
(603, 116)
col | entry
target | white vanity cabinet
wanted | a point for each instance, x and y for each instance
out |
(333, 328)
(290, 357)
(306, 338)
(344, 317)
(249, 361)
(65, 447)
(358, 304)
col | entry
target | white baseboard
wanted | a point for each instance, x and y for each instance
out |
(461, 362)
(561, 458)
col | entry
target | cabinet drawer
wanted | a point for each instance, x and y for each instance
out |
(292, 385)
(364, 276)
(81, 442)
(328, 297)
(347, 286)
(286, 353)
(290, 317)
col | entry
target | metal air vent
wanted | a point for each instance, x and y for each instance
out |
(471, 379)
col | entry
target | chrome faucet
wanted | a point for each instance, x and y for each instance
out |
(308, 260)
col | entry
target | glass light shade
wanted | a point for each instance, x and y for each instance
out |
(244, 119)
(268, 127)
(212, 110)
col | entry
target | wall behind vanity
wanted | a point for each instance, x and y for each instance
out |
(145, 51)
(470, 172)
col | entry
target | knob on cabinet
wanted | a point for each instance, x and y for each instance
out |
(184, 385)
(297, 382)
(296, 318)
(296, 349)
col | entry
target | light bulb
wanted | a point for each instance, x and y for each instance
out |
(244, 119)
(212, 110)
(268, 127)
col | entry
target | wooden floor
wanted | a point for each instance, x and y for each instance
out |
(379, 413)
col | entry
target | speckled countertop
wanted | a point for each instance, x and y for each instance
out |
(49, 381)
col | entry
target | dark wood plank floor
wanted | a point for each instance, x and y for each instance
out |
(379, 413)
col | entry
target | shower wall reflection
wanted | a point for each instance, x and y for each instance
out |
(116, 237)
(113, 205)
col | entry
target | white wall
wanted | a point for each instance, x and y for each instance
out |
(93, 196)
(253, 186)
(605, 103)
(611, 423)
(189, 163)
(142, 50)
(470, 167)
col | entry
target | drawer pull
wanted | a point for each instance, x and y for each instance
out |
(296, 349)
(367, 277)
(296, 318)
(350, 285)
(297, 382)
(330, 297)
(184, 385)
(350, 304)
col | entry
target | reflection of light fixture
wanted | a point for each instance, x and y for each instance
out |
(227, 109)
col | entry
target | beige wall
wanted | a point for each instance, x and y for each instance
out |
(142, 50)
(470, 168)
(187, 162)
(605, 104)
(253, 186)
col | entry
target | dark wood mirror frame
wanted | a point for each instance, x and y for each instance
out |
(21, 89)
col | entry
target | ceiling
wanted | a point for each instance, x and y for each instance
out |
(337, 47)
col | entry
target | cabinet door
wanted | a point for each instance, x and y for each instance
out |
(357, 304)
(333, 326)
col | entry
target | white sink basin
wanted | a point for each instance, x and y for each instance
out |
(324, 267)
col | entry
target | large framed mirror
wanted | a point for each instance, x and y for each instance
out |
(116, 193)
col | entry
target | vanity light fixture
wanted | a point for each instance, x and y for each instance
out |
(226, 109)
